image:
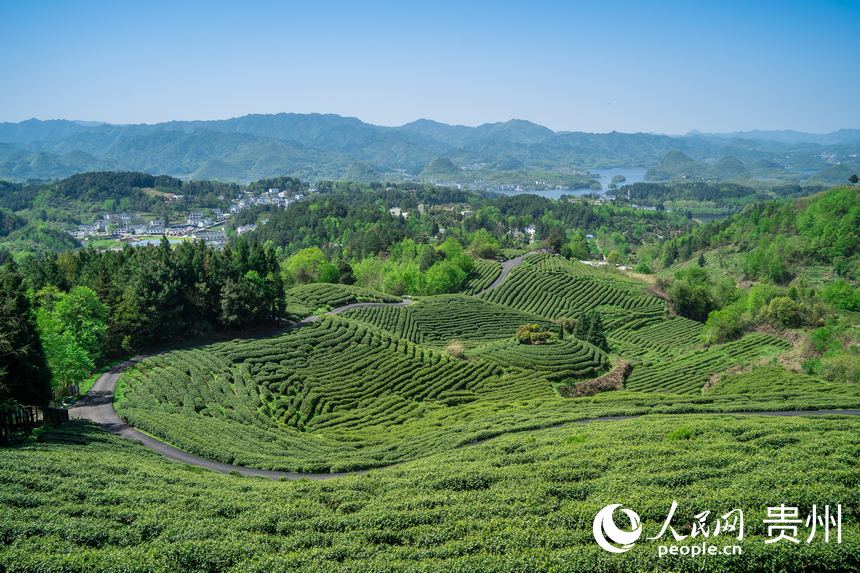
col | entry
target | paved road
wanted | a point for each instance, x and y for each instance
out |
(507, 267)
(97, 406)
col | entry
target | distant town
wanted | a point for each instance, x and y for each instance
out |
(207, 224)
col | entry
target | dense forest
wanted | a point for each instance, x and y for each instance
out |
(89, 305)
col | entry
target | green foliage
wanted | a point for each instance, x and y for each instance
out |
(842, 295)
(24, 374)
(484, 245)
(784, 311)
(73, 329)
(576, 248)
(779, 238)
(164, 292)
(309, 265)
(533, 334)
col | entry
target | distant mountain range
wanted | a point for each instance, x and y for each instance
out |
(839, 137)
(317, 146)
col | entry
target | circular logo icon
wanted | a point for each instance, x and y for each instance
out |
(606, 532)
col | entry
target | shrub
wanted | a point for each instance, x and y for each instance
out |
(532, 334)
(455, 349)
(841, 368)
(783, 311)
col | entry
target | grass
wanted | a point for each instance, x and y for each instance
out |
(83, 500)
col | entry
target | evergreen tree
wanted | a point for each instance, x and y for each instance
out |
(583, 326)
(596, 334)
(24, 374)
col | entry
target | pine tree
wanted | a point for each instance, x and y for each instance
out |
(583, 325)
(24, 374)
(596, 335)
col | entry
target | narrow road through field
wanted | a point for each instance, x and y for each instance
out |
(507, 267)
(97, 406)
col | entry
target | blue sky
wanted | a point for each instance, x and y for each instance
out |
(664, 67)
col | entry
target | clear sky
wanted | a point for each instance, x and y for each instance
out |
(592, 66)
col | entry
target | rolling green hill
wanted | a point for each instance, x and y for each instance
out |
(383, 384)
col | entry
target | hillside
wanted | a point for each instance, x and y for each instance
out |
(390, 382)
(781, 240)
(522, 502)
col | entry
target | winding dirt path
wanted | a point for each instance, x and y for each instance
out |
(97, 406)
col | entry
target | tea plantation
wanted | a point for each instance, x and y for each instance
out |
(80, 500)
(475, 461)
(384, 384)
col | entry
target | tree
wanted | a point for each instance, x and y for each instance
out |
(583, 325)
(82, 314)
(596, 335)
(783, 311)
(576, 248)
(532, 334)
(306, 266)
(24, 373)
(554, 239)
(73, 328)
(484, 245)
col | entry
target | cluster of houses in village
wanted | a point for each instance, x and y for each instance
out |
(207, 225)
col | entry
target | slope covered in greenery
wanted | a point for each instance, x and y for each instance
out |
(387, 383)
(83, 500)
(777, 240)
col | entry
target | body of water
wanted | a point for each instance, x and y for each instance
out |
(631, 174)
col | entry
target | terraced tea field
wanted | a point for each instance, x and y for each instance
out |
(688, 374)
(438, 320)
(312, 297)
(483, 275)
(564, 359)
(385, 383)
(552, 287)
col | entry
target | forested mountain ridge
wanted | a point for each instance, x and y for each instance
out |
(324, 146)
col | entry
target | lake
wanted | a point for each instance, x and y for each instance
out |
(632, 174)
